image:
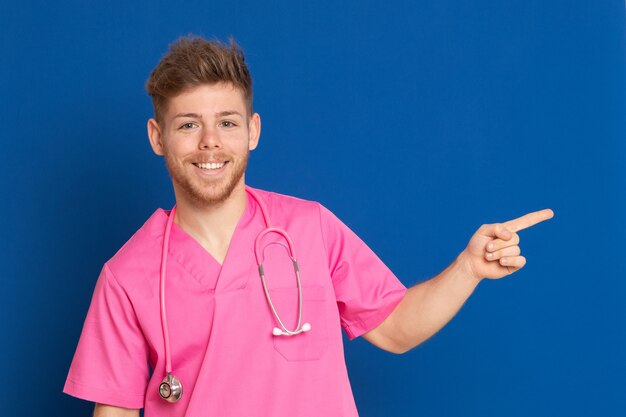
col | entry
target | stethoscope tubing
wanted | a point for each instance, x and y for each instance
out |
(165, 328)
(259, 256)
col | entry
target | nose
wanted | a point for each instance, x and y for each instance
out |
(210, 139)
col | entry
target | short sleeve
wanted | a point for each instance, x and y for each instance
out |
(365, 289)
(110, 365)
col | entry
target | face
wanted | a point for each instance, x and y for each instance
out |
(206, 136)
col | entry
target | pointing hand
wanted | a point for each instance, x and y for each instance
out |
(493, 251)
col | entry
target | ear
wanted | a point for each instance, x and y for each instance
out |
(154, 134)
(254, 131)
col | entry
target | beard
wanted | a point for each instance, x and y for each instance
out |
(206, 191)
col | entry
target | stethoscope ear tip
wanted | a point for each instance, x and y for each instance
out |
(277, 331)
(306, 327)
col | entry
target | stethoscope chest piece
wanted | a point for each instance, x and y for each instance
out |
(171, 389)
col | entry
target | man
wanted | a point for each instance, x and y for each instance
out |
(182, 302)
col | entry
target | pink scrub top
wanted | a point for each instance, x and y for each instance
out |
(220, 323)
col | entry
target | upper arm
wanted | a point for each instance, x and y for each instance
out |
(103, 410)
(366, 290)
(382, 336)
(110, 365)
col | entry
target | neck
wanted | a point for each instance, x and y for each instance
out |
(211, 225)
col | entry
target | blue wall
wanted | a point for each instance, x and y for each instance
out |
(414, 124)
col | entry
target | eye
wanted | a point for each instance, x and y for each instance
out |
(227, 123)
(187, 126)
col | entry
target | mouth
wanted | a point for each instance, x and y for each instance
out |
(211, 169)
(210, 166)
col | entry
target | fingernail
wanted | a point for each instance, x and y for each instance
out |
(489, 255)
(503, 261)
(490, 246)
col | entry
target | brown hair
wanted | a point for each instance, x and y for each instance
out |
(192, 61)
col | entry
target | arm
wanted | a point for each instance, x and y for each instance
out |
(110, 365)
(102, 410)
(492, 252)
(425, 309)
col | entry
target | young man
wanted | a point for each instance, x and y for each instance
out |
(185, 300)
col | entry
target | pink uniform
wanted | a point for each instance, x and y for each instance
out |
(220, 323)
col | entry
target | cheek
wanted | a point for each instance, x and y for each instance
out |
(180, 147)
(236, 145)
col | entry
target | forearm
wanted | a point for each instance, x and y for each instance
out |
(102, 410)
(428, 306)
(492, 252)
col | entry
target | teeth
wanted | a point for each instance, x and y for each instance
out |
(211, 165)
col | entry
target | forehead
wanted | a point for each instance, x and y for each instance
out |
(207, 98)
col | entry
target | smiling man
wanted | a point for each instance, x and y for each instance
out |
(206, 134)
(208, 311)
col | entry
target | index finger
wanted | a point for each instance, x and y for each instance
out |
(529, 220)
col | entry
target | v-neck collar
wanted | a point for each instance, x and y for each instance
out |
(203, 266)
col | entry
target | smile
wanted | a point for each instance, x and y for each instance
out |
(210, 165)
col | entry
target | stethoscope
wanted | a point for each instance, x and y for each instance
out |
(171, 388)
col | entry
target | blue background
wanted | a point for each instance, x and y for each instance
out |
(413, 123)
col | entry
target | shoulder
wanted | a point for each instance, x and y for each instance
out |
(138, 257)
(286, 205)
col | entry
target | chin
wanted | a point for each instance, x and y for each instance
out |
(204, 192)
(209, 195)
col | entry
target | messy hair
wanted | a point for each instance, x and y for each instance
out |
(192, 61)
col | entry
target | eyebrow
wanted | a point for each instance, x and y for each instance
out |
(219, 114)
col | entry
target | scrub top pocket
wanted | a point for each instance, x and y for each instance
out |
(306, 346)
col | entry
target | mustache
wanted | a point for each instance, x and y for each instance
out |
(204, 157)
